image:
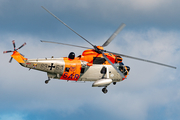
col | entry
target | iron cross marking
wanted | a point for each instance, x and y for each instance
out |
(51, 66)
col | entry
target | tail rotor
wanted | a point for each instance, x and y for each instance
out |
(14, 45)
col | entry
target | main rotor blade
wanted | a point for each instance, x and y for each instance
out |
(114, 34)
(65, 44)
(67, 26)
(21, 46)
(143, 60)
(113, 65)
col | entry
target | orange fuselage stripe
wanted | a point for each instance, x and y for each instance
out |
(72, 69)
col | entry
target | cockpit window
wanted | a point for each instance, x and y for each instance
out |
(123, 70)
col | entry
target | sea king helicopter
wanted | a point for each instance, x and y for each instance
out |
(95, 64)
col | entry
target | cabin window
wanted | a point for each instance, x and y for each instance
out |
(98, 60)
(82, 70)
(103, 70)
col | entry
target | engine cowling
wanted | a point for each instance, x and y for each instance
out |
(102, 83)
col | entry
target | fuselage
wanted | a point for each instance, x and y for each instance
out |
(75, 70)
(90, 66)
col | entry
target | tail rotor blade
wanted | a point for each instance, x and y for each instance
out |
(14, 51)
(10, 60)
(8, 51)
(21, 46)
(114, 34)
(14, 44)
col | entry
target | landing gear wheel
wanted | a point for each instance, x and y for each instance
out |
(104, 90)
(46, 81)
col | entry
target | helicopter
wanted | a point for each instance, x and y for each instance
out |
(96, 64)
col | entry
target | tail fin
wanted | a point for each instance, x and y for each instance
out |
(18, 57)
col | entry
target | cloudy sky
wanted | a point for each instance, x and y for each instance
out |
(152, 32)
